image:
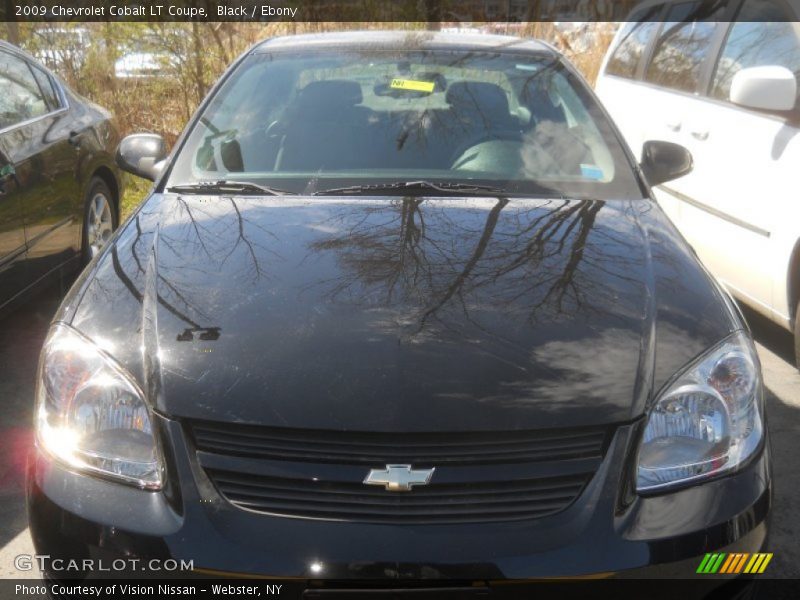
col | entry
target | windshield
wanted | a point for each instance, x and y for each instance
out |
(312, 121)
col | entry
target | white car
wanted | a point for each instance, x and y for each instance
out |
(140, 65)
(720, 78)
(60, 47)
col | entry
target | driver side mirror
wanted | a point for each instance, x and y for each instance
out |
(142, 154)
(665, 161)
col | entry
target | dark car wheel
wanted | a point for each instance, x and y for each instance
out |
(99, 218)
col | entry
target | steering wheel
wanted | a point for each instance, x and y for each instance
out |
(496, 136)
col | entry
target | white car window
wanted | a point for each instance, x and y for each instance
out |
(684, 44)
(762, 36)
(633, 40)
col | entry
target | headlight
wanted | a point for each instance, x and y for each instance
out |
(91, 415)
(708, 421)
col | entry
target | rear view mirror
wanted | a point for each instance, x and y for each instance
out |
(142, 154)
(765, 88)
(665, 161)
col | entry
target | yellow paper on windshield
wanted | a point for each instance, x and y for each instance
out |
(413, 85)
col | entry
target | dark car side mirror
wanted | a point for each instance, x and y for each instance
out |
(665, 161)
(142, 154)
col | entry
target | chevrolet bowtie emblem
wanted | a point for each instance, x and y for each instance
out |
(398, 478)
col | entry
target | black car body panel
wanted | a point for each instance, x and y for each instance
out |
(54, 157)
(545, 314)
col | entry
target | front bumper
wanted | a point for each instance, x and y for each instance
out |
(608, 532)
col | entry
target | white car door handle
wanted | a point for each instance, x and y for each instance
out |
(700, 135)
(674, 125)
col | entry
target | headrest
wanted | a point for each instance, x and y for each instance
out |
(537, 100)
(487, 98)
(334, 93)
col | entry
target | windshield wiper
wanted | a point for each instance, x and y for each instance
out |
(411, 186)
(224, 186)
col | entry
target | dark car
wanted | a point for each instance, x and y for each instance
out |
(400, 307)
(59, 185)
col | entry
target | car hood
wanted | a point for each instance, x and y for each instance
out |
(399, 314)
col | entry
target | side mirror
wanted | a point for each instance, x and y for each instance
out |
(765, 88)
(142, 154)
(665, 161)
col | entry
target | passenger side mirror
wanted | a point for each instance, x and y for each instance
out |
(765, 88)
(665, 161)
(142, 154)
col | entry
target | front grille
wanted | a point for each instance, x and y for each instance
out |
(422, 449)
(445, 503)
(478, 477)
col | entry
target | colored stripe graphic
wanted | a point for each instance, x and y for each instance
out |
(718, 564)
(765, 563)
(711, 563)
(732, 560)
(758, 563)
(740, 565)
(703, 563)
(734, 563)
(749, 567)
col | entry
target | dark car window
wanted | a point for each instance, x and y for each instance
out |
(300, 121)
(683, 45)
(20, 99)
(763, 35)
(635, 35)
(48, 88)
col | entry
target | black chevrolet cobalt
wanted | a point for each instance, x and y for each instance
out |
(400, 309)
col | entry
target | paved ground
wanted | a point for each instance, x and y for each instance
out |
(21, 338)
(775, 347)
